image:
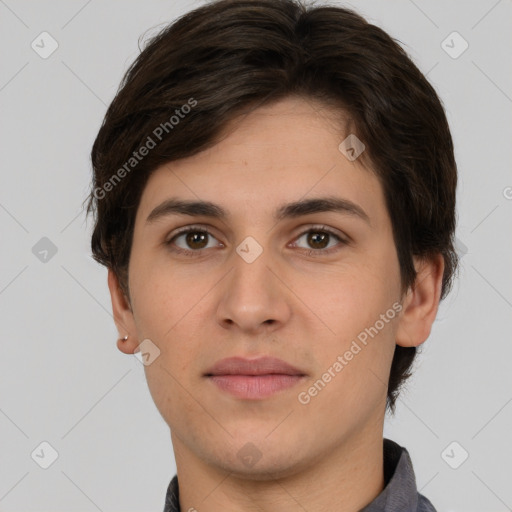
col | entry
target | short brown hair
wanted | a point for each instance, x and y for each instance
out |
(232, 54)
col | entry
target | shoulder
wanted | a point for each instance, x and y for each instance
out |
(424, 504)
(172, 503)
(401, 492)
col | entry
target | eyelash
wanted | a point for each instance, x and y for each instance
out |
(310, 252)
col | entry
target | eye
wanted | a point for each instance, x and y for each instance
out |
(319, 239)
(191, 240)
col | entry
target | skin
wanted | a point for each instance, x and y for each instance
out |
(197, 310)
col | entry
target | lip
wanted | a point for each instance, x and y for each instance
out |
(254, 379)
(259, 366)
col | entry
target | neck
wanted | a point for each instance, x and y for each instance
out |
(346, 479)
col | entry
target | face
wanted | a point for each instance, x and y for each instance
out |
(306, 287)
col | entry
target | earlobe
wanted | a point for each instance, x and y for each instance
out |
(421, 302)
(123, 316)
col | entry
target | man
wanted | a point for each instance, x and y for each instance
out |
(274, 193)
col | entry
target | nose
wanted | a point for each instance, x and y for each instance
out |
(253, 297)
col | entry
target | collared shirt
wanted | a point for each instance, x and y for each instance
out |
(399, 494)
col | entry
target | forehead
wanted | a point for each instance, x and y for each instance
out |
(268, 156)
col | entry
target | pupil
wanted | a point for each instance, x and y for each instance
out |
(315, 238)
(196, 236)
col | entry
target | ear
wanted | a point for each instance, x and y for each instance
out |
(123, 315)
(421, 302)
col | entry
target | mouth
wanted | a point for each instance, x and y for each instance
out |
(254, 379)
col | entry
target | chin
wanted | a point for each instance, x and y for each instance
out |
(251, 462)
(263, 471)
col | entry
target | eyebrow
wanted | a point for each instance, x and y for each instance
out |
(287, 211)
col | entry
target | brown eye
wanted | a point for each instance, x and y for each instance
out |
(320, 241)
(191, 241)
(196, 239)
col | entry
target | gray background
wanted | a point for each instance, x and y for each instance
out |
(63, 380)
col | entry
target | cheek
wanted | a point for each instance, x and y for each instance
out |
(352, 297)
(352, 372)
(167, 311)
(361, 310)
(164, 300)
